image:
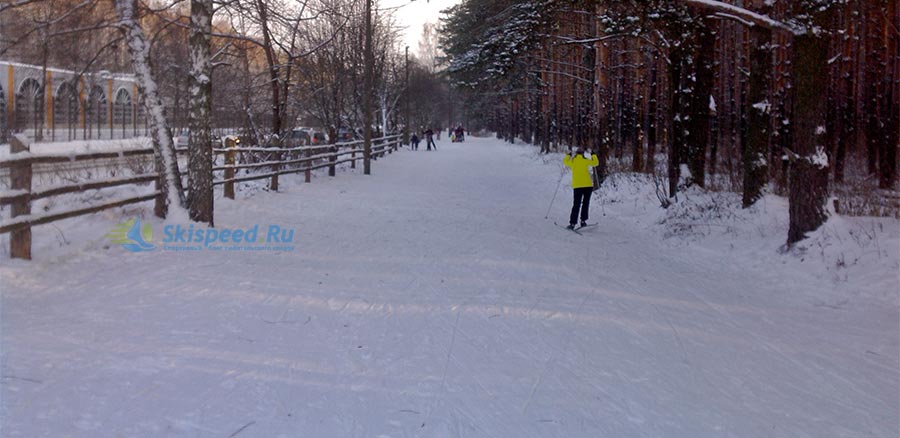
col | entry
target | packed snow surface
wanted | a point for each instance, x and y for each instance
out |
(433, 299)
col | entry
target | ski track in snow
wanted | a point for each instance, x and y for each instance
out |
(431, 299)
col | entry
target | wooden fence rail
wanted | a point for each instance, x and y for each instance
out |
(380, 147)
(279, 161)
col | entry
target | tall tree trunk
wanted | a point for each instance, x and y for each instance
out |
(677, 116)
(650, 162)
(758, 120)
(846, 125)
(200, 184)
(698, 131)
(808, 187)
(782, 130)
(262, 8)
(601, 97)
(368, 91)
(640, 111)
(164, 149)
(890, 99)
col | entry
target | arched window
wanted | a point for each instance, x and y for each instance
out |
(122, 110)
(95, 112)
(65, 110)
(30, 107)
(141, 116)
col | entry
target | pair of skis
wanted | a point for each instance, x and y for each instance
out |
(577, 230)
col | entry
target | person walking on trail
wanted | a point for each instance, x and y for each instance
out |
(429, 139)
(414, 142)
(581, 163)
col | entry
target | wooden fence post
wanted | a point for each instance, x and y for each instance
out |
(160, 209)
(229, 172)
(273, 185)
(308, 174)
(20, 179)
(332, 158)
(353, 156)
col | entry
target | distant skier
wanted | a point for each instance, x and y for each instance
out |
(582, 186)
(429, 139)
(414, 142)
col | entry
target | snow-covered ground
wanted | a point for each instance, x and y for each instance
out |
(433, 299)
(74, 147)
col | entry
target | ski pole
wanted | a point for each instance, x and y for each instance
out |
(558, 183)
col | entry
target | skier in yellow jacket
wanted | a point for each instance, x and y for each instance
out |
(582, 185)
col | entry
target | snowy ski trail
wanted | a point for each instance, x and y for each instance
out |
(432, 299)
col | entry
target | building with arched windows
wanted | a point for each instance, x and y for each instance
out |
(62, 105)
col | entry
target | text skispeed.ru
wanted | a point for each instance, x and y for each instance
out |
(274, 238)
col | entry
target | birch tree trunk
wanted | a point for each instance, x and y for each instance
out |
(200, 184)
(164, 149)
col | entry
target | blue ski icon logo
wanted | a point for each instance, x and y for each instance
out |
(132, 236)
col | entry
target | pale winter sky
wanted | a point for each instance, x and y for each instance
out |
(416, 13)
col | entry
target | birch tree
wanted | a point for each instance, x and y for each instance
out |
(200, 160)
(164, 149)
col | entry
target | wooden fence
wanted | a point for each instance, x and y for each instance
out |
(274, 162)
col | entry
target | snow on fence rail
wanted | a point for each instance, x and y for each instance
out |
(286, 160)
(279, 161)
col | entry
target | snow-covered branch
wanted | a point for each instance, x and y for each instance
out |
(747, 15)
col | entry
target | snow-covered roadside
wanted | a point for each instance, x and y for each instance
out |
(433, 299)
(859, 256)
(83, 236)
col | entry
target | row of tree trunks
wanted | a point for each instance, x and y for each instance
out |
(748, 100)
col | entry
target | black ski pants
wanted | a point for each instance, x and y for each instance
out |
(583, 201)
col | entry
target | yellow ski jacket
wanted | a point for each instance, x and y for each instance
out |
(581, 174)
